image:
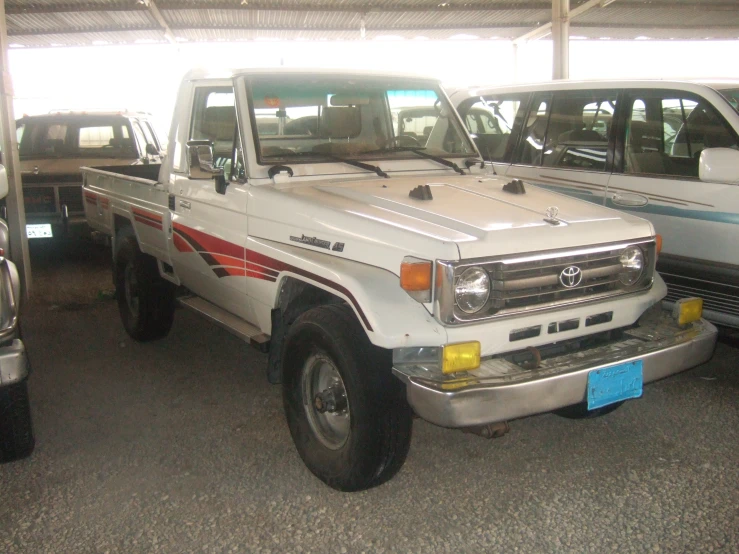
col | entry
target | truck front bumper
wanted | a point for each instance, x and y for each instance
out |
(501, 390)
(13, 363)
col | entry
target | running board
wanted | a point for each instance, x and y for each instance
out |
(234, 324)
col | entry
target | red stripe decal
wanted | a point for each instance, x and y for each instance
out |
(211, 244)
(214, 246)
(181, 244)
(148, 222)
(149, 215)
(227, 260)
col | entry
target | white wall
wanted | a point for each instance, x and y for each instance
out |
(145, 77)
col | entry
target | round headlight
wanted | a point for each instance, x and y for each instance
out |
(472, 290)
(632, 264)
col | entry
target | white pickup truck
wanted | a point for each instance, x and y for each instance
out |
(384, 273)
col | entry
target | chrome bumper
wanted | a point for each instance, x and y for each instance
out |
(13, 363)
(500, 390)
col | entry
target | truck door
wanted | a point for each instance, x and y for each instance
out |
(209, 228)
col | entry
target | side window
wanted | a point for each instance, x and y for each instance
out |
(579, 125)
(490, 122)
(140, 137)
(531, 146)
(214, 119)
(667, 131)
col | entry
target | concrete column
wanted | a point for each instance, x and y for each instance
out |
(9, 145)
(561, 39)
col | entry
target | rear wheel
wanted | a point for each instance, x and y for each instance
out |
(145, 300)
(16, 431)
(347, 414)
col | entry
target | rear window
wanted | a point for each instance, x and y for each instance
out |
(732, 96)
(99, 137)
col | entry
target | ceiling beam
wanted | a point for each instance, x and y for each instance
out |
(31, 8)
(174, 28)
(546, 29)
(154, 11)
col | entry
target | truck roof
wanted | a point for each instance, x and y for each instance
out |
(205, 73)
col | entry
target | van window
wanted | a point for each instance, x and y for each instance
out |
(666, 132)
(490, 122)
(534, 131)
(578, 130)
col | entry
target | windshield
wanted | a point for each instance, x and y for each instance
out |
(732, 95)
(96, 137)
(307, 118)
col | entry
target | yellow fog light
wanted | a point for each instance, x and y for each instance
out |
(463, 356)
(688, 310)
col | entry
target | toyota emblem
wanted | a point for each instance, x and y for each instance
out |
(571, 276)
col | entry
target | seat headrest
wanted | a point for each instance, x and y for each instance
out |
(219, 122)
(340, 122)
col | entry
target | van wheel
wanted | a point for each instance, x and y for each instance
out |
(145, 299)
(16, 431)
(347, 414)
(580, 411)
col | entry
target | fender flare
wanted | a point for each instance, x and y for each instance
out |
(389, 316)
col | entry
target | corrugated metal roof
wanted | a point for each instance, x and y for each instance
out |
(40, 23)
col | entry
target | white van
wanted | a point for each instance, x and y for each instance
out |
(666, 151)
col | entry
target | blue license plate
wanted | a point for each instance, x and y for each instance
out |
(614, 383)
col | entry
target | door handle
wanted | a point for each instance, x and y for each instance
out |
(630, 200)
(185, 204)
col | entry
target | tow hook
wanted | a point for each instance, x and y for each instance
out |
(331, 400)
(489, 431)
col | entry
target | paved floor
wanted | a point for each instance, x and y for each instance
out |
(181, 446)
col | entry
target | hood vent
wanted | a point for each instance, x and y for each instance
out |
(515, 187)
(421, 192)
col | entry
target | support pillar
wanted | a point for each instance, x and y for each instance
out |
(9, 145)
(561, 39)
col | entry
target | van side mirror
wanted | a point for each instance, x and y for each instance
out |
(3, 182)
(719, 165)
(201, 164)
(151, 150)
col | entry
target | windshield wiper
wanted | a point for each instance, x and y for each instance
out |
(340, 159)
(420, 151)
(355, 163)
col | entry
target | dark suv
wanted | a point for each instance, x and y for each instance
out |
(52, 149)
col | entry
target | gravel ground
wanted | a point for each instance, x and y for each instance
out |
(181, 446)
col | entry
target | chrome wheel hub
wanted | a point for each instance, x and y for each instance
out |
(325, 401)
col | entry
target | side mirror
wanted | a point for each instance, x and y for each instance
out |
(3, 182)
(151, 150)
(200, 159)
(719, 165)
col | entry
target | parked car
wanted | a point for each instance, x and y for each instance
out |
(52, 149)
(666, 151)
(16, 430)
(384, 278)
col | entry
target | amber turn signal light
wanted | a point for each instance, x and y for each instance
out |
(415, 276)
(659, 243)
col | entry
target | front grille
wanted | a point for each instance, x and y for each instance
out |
(537, 282)
(39, 200)
(72, 197)
(530, 282)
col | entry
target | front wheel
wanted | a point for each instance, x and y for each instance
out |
(347, 414)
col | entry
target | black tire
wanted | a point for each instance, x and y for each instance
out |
(379, 417)
(580, 411)
(16, 431)
(145, 300)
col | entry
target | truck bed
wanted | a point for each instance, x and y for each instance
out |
(113, 196)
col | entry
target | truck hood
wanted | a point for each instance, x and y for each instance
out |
(480, 217)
